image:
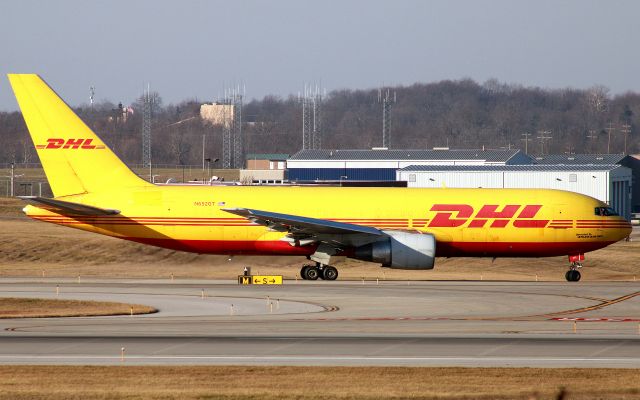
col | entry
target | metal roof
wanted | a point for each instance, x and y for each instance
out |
(572, 159)
(506, 168)
(268, 156)
(377, 155)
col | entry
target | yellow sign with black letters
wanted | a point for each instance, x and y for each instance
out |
(260, 279)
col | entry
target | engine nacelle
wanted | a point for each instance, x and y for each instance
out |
(400, 250)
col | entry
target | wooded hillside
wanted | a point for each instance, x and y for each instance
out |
(457, 114)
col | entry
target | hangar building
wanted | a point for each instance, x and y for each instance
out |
(629, 161)
(610, 183)
(382, 164)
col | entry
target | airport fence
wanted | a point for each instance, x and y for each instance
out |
(29, 179)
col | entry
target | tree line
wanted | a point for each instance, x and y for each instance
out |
(454, 114)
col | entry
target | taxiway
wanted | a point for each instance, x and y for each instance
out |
(334, 323)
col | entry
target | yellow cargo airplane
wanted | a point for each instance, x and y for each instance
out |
(397, 227)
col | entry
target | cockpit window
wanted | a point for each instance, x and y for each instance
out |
(606, 212)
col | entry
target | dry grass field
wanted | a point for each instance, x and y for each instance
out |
(30, 249)
(11, 307)
(301, 383)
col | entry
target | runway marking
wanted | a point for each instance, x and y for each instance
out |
(582, 319)
(550, 316)
(608, 348)
(597, 306)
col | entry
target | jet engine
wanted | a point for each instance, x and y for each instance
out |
(400, 250)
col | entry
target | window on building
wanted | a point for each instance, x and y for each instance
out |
(573, 177)
(412, 177)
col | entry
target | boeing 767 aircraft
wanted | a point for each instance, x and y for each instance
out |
(396, 227)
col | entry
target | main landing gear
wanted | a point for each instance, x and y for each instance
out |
(573, 275)
(313, 272)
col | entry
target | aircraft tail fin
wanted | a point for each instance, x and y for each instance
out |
(74, 158)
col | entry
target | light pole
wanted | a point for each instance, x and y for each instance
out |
(203, 145)
(209, 161)
(12, 176)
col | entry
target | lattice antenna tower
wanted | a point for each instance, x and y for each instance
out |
(238, 145)
(92, 93)
(386, 100)
(146, 127)
(232, 139)
(312, 116)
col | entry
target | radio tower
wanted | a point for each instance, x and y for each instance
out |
(312, 117)
(146, 131)
(386, 101)
(92, 92)
(232, 143)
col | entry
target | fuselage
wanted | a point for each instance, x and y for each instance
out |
(465, 222)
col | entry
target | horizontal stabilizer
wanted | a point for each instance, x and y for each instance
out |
(67, 207)
(297, 224)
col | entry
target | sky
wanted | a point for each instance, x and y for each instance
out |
(195, 49)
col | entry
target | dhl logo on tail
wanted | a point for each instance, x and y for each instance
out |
(85, 144)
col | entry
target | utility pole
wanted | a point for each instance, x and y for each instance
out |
(609, 129)
(592, 138)
(526, 141)
(625, 129)
(543, 136)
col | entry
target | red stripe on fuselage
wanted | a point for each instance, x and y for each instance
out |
(443, 249)
(516, 249)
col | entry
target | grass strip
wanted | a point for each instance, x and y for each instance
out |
(301, 383)
(14, 307)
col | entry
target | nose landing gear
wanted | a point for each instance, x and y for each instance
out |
(573, 275)
(313, 272)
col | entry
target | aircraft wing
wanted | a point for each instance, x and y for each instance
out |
(297, 225)
(67, 207)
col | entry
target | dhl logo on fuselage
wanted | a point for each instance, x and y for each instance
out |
(464, 213)
(84, 144)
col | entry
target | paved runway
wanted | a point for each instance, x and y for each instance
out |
(335, 323)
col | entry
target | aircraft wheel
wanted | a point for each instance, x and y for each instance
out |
(329, 273)
(303, 271)
(312, 274)
(573, 275)
(576, 276)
